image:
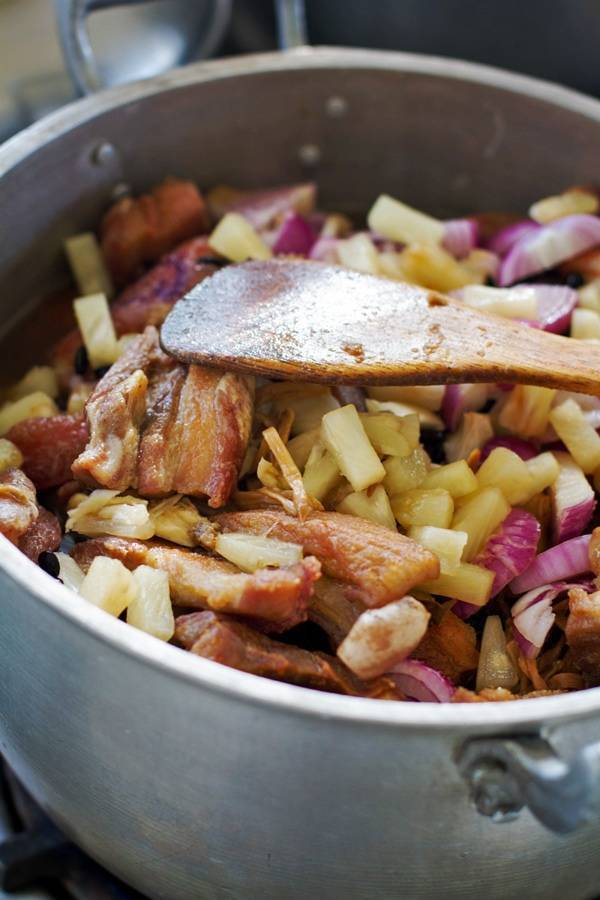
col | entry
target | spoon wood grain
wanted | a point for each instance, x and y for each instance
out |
(310, 321)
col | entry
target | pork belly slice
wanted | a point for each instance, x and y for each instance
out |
(235, 644)
(139, 230)
(42, 535)
(334, 608)
(18, 504)
(381, 564)
(277, 598)
(161, 427)
(583, 631)
(450, 646)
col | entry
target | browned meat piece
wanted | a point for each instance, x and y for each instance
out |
(18, 506)
(162, 427)
(43, 534)
(233, 644)
(334, 608)
(450, 647)
(277, 598)
(148, 300)
(138, 231)
(380, 563)
(594, 551)
(495, 695)
(583, 630)
(215, 421)
(49, 445)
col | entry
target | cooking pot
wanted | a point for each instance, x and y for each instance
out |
(191, 780)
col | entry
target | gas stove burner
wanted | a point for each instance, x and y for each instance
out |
(37, 855)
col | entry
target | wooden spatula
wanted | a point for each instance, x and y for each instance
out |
(313, 322)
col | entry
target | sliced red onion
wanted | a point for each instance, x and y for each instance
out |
(550, 245)
(421, 682)
(460, 237)
(555, 303)
(573, 500)
(505, 239)
(510, 550)
(325, 250)
(522, 448)
(294, 236)
(261, 208)
(465, 610)
(532, 623)
(462, 398)
(562, 562)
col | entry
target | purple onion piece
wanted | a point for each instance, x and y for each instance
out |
(460, 237)
(548, 246)
(505, 239)
(465, 610)
(573, 501)
(295, 236)
(462, 398)
(511, 548)
(421, 682)
(261, 208)
(555, 303)
(325, 250)
(560, 563)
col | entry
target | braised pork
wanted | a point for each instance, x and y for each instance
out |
(18, 505)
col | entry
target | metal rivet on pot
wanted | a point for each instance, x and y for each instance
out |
(494, 791)
(310, 154)
(336, 107)
(103, 154)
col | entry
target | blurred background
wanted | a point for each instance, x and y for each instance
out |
(554, 39)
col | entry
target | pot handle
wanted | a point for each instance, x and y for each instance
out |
(79, 56)
(71, 16)
(507, 774)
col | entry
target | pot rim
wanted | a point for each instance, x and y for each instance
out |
(182, 665)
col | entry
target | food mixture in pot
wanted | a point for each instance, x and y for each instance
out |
(430, 543)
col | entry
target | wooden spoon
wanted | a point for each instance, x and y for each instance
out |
(309, 321)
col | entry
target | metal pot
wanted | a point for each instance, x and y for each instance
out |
(189, 779)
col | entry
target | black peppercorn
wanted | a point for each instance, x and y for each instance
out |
(81, 361)
(49, 563)
(574, 280)
(210, 261)
(101, 371)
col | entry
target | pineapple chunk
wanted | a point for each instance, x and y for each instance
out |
(567, 204)
(457, 478)
(574, 430)
(10, 455)
(429, 396)
(527, 409)
(420, 507)
(299, 447)
(404, 473)
(39, 378)
(79, 397)
(103, 512)
(69, 572)
(427, 418)
(108, 585)
(506, 470)
(395, 220)
(447, 545)
(87, 265)
(469, 583)
(390, 267)
(373, 504)
(510, 303)
(321, 473)
(358, 252)
(150, 609)
(253, 551)
(308, 402)
(544, 470)
(589, 295)
(585, 325)
(385, 431)
(235, 239)
(433, 267)
(97, 329)
(346, 439)
(479, 516)
(175, 519)
(33, 406)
